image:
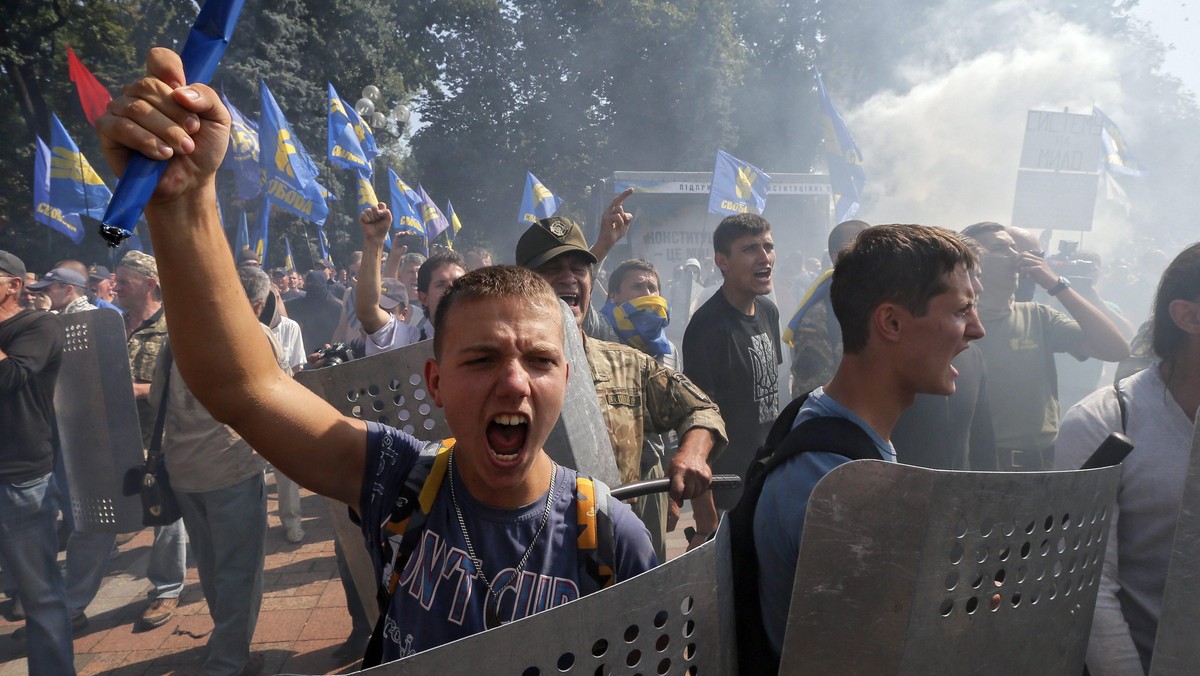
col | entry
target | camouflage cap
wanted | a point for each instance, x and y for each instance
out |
(550, 238)
(140, 262)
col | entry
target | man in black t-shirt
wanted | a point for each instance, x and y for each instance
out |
(731, 346)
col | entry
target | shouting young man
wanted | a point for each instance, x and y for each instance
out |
(503, 518)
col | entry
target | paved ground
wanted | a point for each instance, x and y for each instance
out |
(303, 618)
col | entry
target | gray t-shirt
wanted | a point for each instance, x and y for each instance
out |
(1139, 548)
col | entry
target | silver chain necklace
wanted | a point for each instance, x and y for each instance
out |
(491, 602)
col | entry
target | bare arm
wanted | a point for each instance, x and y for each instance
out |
(293, 428)
(1102, 339)
(375, 222)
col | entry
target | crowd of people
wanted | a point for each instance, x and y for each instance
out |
(935, 348)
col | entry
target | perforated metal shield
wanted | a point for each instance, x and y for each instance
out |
(1176, 650)
(98, 421)
(390, 388)
(674, 619)
(904, 570)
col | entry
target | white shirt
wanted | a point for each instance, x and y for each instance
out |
(287, 332)
(392, 335)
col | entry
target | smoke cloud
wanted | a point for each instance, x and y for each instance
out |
(945, 152)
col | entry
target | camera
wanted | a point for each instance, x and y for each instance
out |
(338, 353)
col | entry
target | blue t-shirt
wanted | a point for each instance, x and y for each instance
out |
(779, 516)
(439, 599)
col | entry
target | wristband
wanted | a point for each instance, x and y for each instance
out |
(1062, 285)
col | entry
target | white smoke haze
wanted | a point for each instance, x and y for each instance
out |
(945, 152)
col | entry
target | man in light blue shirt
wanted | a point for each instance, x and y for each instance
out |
(905, 299)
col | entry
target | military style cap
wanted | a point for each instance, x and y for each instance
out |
(99, 272)
(550, 238)
(11, 265)
(140, 262)
(392, 293)
(59, 276)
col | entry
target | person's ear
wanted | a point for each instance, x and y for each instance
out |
(888, 321)
(433, 381)
(1186, 315)
(721, 261)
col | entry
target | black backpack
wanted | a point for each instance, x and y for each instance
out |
(833, 435)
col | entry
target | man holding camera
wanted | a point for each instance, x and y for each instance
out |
(1019, 348)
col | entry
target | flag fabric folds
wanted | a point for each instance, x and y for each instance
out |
(93, 96)
(289, 261)
(405, 216)
(291, 176)
(366, 193)
(241, 241)
(737, 187)
(264, 233)
(74, 186)
(244, 150)
(1117, 156)
(818, 292)
(431, 217)
(345, 147)
(455, 225)
(846, 175)
(322, 242)
(43, 212)
(206, 43)
(640, 323)
(538, 202)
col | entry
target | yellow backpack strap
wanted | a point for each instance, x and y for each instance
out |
(595, 543)
(408, 516)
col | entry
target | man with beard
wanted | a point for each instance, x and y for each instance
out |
(1022, 338)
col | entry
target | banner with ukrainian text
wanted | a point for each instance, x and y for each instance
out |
(345, 147)
(74, 186)
(405, 216)
(53, 217)
(291, 176)
(737, 187)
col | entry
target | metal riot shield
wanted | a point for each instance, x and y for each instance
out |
(905, 570)
(674, 619)
(98, 422)
(390, 388)
(1176, 650)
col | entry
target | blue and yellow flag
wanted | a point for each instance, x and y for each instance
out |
(1117, 156)
(818, 292)
(431, 217)
(322, 242)
(243, 153)
(455, 225)
(405, 216)
(846, 175)
(640, 323)
(74, 186)
(264, 234)
(366, 192)
(737, 187)
(241, 240)
(538, 202)
(289, 261)
(53, 217)
(366, 138)
(345, 148)
(290, 175)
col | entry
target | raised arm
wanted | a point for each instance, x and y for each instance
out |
(376, 221)
(1102, 339)
(614, 224)
(222, 354)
